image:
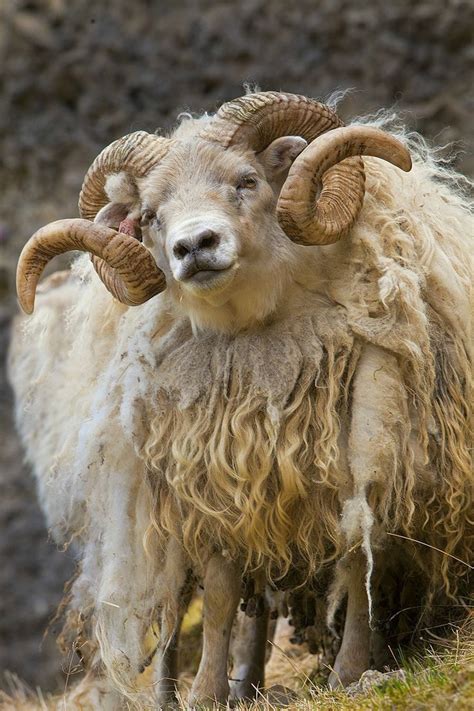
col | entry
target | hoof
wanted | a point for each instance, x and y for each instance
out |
(204, 699)
(342, 677)
(348, 667)
(334, 682)
(243, 691)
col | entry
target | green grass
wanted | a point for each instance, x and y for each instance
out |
(435, 682)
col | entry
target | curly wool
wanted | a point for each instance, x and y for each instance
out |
(253, 460)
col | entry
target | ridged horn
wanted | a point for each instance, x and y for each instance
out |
(258, 119)
(136, 154)
(126, 267)
(325, 220)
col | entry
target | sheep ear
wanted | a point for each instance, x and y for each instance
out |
(277, 158)
(112, 214)
(120, 217)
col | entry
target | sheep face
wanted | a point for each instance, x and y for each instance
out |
(208, 216)
(199, 211)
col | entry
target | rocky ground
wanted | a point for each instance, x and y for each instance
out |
(74, 75)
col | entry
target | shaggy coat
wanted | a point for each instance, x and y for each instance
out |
(339, 420)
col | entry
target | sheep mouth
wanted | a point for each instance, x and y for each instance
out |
(202, 275)
(209, 277)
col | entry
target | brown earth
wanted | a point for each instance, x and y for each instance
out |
(74, 75)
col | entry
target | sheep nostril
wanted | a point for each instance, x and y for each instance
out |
(207, 240)
(180, 250)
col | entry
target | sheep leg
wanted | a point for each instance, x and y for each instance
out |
(378, 398)
(380, 651)
(177, 587)
(353, 658)
(221, 596)
(249, 651)
(166, 671)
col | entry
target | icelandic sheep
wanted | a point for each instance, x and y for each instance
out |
(289, 395)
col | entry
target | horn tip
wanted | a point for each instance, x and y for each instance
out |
(25, 296)
(408, 164)
(405, 162)
(27, 309)
(402, 156)
(27, 304)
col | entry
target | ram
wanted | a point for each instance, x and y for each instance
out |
(286, 403)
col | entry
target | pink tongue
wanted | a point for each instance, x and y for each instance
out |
(127, 226)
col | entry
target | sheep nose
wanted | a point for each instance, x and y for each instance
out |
(206, 239)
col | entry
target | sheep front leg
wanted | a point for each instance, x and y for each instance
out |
(167, 666)
(175, 587)
(221, 596)
(353, 658)
(166, 672)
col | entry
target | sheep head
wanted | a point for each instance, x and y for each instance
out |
(215, 206)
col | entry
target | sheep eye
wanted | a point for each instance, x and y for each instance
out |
(149, 217)
(247, 183)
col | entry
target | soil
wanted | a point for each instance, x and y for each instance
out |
(74, 75)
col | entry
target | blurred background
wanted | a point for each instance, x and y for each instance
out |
(76, 74)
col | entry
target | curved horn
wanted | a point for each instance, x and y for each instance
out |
(326, 220)
(136, 154)
(126, 267)
(257, 119)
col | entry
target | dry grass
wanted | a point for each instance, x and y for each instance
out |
(437, 681)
